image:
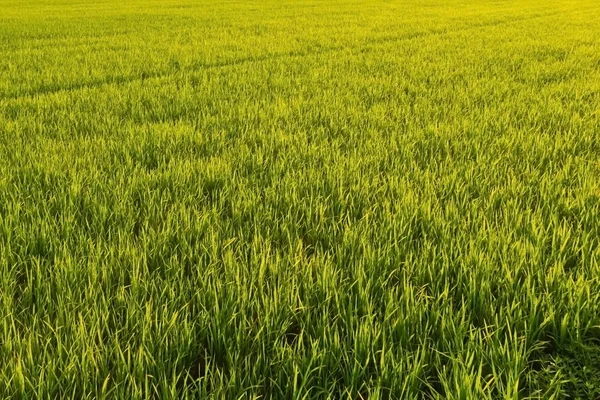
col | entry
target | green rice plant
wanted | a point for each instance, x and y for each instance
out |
(297, 200)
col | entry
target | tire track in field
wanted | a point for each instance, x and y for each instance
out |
(125, 79)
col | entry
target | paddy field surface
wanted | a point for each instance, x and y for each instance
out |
(311, 199)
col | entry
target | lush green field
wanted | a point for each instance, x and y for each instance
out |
(300, 199)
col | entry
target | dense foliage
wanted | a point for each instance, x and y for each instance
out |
(300, 199)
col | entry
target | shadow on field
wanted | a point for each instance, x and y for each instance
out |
(203, 366)
(571, 371)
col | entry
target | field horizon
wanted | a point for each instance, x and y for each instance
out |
(370, 199)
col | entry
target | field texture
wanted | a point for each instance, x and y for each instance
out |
(300, 199)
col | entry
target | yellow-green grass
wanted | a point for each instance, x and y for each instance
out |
(300, 199)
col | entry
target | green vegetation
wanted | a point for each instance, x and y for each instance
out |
(300, 199)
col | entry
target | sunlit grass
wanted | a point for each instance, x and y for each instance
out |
(314, 199)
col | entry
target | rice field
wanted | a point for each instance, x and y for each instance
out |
(311, 199)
